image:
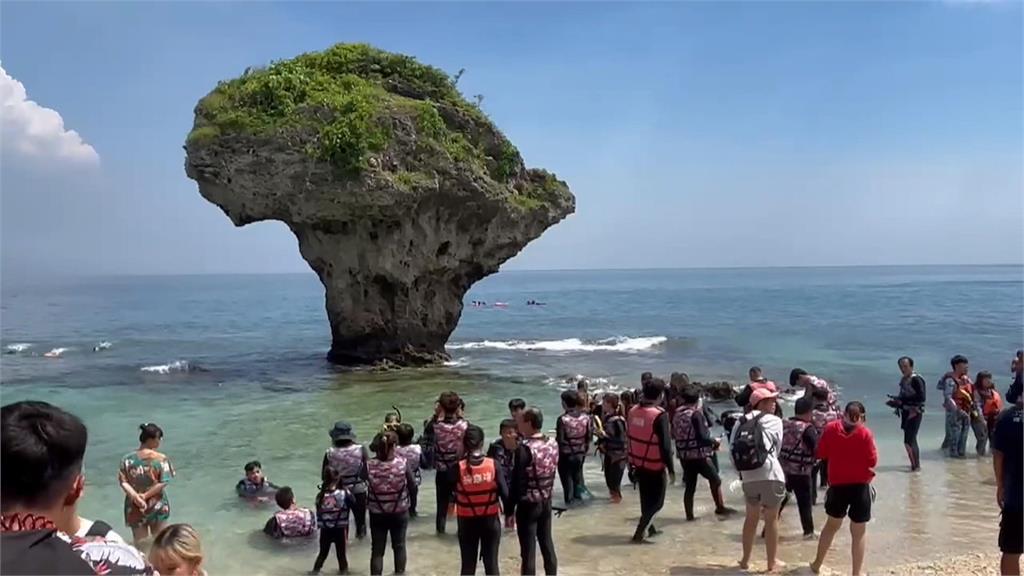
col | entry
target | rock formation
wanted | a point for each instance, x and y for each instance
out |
(400, 192)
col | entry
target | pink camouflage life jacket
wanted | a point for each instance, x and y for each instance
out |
(577, 428)
(412, 454)
(821, 417)
(348, 461)
(796, 458)
(540, 476)
(388, 491)
(685, 435)
(295, 523)
(820, 383)
(448, 443)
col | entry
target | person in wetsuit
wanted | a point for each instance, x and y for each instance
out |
(573, 433)
(479, 487)
(503, 452)
(533, 480)
(695, 446)
(448, 431)
(650, 454)
(910, 403)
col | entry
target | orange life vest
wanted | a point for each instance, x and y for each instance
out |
(644, 448)
(992, 403)
(476, 492)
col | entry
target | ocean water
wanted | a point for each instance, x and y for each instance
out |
(232, 367)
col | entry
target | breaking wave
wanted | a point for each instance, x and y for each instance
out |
(176, 366)
(618, 344)
(17, 347)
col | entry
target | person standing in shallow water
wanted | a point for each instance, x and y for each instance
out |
(349, 460)
(849, 448)
(910, 403)
(613, 445)
(533, 480)
(650, 454)
(388, 480)
(694, 445)
(573, 433)
(479, 487)
(958, 400)
(448, 446)
(143, 476)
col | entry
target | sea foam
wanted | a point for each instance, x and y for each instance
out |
(17, 347)
(176, 366)
(618, 344)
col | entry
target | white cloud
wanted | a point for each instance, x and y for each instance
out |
(35, 132)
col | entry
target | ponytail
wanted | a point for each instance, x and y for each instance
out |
(383, 444)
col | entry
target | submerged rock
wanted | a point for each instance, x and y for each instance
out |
(401, 193)
(717, 391)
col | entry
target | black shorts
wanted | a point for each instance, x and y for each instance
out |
(854, 499)
(1011, 532)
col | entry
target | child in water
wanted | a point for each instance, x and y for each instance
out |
(332, 507)
(255, 487)
(176, 551)
(412, 454)
(612, 444)
(291, 521)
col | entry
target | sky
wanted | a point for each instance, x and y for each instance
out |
(692, 134)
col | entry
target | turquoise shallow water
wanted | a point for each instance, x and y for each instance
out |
(258, 386)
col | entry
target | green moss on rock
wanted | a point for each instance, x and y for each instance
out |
(338, 103)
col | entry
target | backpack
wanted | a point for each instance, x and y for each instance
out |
(748, 449)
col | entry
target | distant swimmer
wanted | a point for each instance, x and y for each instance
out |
(501, 304)
(16, 348)
(102, 346)
(535, 303)
(56, 353)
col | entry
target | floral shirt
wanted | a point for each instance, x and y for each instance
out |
(143, 474)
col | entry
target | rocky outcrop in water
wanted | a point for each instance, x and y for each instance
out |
(401, 193)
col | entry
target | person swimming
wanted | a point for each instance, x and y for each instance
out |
(255, 486)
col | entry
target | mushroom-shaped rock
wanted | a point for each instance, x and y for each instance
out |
(401, 193)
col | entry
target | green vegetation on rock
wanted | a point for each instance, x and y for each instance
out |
(344, 105)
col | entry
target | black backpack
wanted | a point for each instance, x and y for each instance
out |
(748, 449)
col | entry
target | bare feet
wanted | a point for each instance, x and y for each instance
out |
(778, 567)
(744, 564)
(815, 567)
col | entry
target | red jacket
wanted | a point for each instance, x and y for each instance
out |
(852, 455)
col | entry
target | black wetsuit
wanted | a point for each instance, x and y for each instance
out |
(570, 460)
(505, 459)
(693, 468)
(912, 399)
(480, 536)
(533, 519)
(652, 484)
(802, 485)
(614, 445)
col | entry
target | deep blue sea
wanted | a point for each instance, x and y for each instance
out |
(233, 366)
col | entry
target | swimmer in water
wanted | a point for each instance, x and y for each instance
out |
(291, 521)
(255, 486)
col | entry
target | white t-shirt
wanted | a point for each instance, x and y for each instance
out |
(110, 536)
(772, 468)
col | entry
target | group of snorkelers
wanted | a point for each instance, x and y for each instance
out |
(509, 483)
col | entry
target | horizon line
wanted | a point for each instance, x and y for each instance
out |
(613, 269)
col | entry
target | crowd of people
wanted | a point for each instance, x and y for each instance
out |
(640, 435)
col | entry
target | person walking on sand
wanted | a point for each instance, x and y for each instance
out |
(754, 446)
(650, 454)
(695, 446)
(143, 476)
(1008, 464)
(448, 432)
(533, 480)
(849, 448)
(910, 403)
(799, 443)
